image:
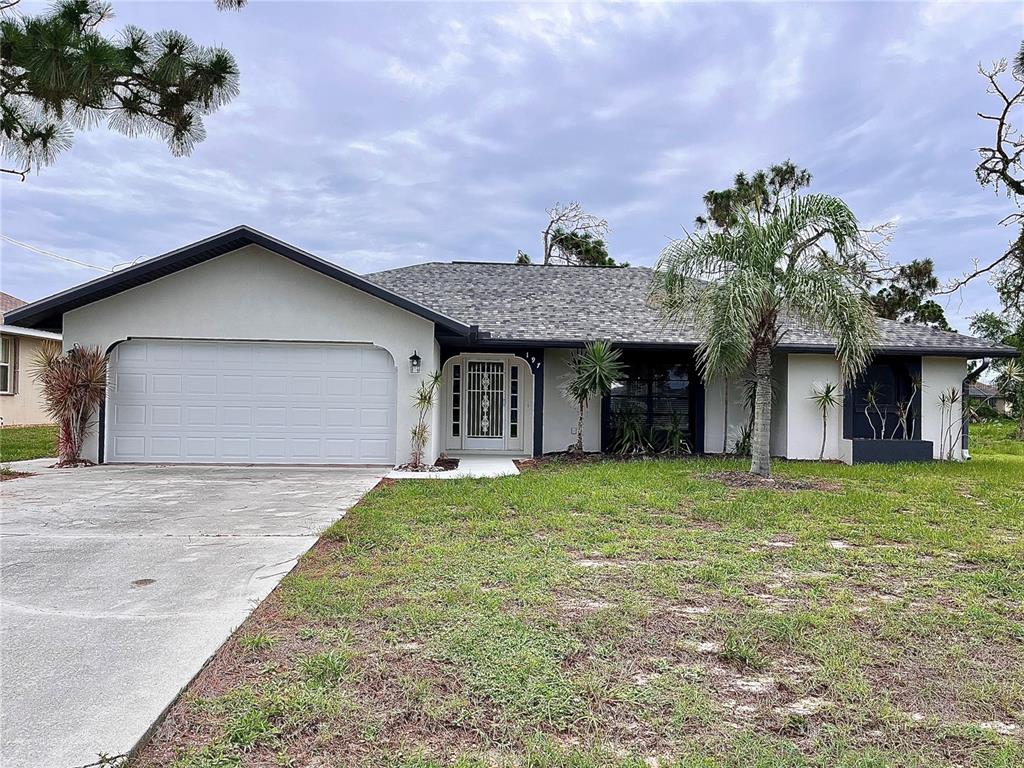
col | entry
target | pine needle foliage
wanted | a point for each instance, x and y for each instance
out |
(60, 74)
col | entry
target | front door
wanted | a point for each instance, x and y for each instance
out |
(485, 413)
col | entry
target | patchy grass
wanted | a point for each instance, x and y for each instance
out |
(998, 436)
(6, 473)
(20, 443)
(637, 613)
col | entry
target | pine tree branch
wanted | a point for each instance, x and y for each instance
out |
(23, 174)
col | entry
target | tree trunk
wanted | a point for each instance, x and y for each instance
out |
(824, 434)
(760, 462)
(579, 432)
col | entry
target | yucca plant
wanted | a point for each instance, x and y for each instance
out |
(592, 372)
(826, 396)
(905, 410)
(739, 285)
(423, 402)
(630, 432)
(950, 402)
(73, 385)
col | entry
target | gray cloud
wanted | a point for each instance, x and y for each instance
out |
(401, 133)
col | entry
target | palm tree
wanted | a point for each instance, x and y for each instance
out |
(826, 397)
(741, 285)
(73, 385)
(592, 372)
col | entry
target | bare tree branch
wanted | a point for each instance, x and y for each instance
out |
(23, 174)
(570, 219)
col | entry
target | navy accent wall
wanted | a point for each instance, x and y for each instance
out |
(892, 374)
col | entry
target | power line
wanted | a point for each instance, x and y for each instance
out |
(51, 254)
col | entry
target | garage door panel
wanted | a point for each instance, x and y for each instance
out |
(236, 384)
(130, 415)
(200, 448)
(250, 402)
(236, 416)
(130, 383)
(375, 449)
(165, 415)
(165, 383)
(236, 447)
(201, 416)
(305, 385)
(165, 447)
(130, 446)
(166, 353)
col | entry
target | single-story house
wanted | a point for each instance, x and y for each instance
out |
(989, 394)
(21, 402)
(242, 348)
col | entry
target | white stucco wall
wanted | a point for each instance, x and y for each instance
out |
(714, 411)
(561, 417)
(803, 422)
(939, 374)
(254, 294)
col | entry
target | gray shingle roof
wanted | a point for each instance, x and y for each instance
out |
(573, 304)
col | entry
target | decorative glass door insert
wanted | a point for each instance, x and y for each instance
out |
(485, 400)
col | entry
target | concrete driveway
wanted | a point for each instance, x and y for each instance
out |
(119, 582)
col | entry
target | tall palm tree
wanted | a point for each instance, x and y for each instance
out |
(740, 286)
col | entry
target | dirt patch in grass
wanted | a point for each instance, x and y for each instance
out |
(10, 474)
(753, 482)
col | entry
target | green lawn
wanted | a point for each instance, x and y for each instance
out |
(18, 443)
(636, 614)
(996, 437)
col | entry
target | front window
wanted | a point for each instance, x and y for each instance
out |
(513, 402)
(6, 365)
(650, 408)
(456, 400)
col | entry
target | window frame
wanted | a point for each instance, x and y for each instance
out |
(9, 343)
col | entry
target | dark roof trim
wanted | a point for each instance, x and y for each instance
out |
(48, 313)
(966, 352)
(970, 354)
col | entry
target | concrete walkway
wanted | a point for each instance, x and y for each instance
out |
(469, 466)
(119, 582)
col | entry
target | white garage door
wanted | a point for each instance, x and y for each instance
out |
(259, 402)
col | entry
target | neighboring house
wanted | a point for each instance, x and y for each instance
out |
(241, 348)
(989, 394)
(20, 400)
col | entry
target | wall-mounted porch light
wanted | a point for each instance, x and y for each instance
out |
(414, 363)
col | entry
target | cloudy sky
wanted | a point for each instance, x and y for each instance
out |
(377, 135)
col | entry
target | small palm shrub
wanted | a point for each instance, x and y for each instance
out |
(73, 385)
(423, 401)
(592, 372)
(826, 397)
